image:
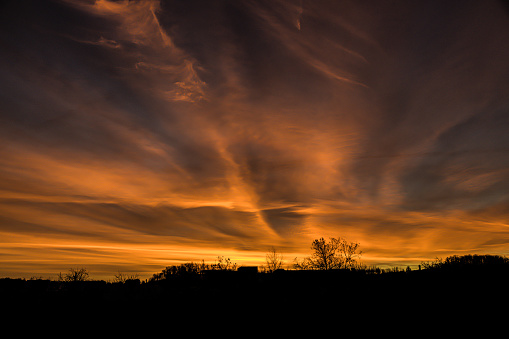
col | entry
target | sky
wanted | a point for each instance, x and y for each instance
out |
(140, 134)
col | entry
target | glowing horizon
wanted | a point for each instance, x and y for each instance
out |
(140, 134)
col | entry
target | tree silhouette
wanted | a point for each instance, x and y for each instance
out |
(333, 254)
(224, 264)
(274, 260)
(192, 270)
(74, 275)
(185, 270)
(467, 261)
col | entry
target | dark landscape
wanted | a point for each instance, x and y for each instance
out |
(467, 283)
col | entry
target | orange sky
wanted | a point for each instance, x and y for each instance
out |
(135, 135)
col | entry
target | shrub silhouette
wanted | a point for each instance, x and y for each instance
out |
(123, 278)
(224, 264)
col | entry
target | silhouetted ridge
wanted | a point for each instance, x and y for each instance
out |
(470, 261)
(457, 281)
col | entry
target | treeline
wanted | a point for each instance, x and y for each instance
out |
(469, 261)
(334, 254)
(332, 276)
(332, 263)
(465, 263)
(454, 279)
(193, 269)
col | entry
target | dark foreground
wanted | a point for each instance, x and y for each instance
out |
(350, 291)
(456, 297)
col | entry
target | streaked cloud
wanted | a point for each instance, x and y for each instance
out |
(136, 134)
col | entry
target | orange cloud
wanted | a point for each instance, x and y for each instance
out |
(148, 133)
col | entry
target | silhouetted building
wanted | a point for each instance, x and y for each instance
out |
(248, 269)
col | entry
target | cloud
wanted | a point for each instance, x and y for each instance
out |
(468, 170)
(177, 130)
(284, 221)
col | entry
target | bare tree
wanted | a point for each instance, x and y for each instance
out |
(224, 264)
(274, 260)
(350, 253)
(74, 274)
(333, 254)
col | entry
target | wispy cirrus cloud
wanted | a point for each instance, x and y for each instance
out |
(186, 130)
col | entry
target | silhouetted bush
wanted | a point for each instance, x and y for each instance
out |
(123, 278)
(192, 270)
(74, 275)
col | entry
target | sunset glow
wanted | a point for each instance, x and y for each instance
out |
(139, 134)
